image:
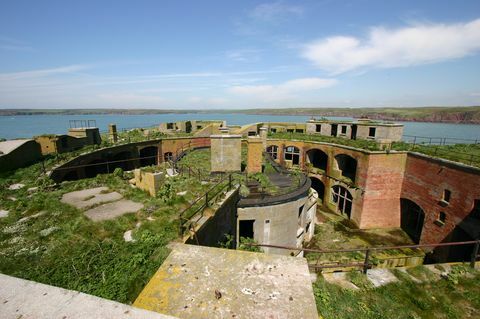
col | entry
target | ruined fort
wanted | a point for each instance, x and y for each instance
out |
(264, 187)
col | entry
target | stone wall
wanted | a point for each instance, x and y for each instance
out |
(254, 155)
(226, 153)
(149, 181)
(223, 222)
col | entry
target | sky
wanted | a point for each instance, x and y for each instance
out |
(239, 54)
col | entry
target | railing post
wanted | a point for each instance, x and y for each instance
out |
(108, 168)
(365, 264)
(474, 254)
(206, 199)
(230, 182)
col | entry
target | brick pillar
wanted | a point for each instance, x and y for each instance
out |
(263, 136)
(112, 133)
(255, 154)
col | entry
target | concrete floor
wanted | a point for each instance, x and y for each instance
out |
(205, 282)
(21, 298)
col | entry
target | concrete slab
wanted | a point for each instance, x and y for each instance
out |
(16, 186)
(205, 282)
(113, 210)
(380, 276)
(127, 236)
(90, 197)
(3, 213)
(339, 279)
(21, 298)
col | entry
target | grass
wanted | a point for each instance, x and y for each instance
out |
(47, 241)
(363, 144)
(336, 233)
(439, 298)
(463, 153)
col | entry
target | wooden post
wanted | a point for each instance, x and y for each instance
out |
(474, 254)
(365, 264)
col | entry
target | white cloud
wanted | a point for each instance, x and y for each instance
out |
(275, 11)
(10, 44)
(388, 48)
(284, 90)
(42, 73)
(243, 55)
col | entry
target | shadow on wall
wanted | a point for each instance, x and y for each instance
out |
(467, 230)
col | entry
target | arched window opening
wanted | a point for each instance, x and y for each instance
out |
(347, 165)
(292, 153)
(168, 156)
(273, 151)
(317, 158)
(343, 200)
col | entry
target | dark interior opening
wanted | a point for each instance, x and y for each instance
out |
(354, 132)
(122, 160)
(188, 126)
(333, 132)
(148, 156)
(317, 158)
(246, 228)
(412, 217)
(319, 187)
(347, 165)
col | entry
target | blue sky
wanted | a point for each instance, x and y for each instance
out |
(239, 54)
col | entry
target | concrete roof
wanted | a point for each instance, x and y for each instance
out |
(21, 298)
(8, 146)
(205, 282)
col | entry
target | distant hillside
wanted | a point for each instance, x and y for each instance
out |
(462, 115)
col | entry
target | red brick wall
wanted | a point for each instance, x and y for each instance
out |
(424, 182)
(382, 186)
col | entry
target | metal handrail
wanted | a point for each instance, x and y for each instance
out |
(366, 264)
(207, 198)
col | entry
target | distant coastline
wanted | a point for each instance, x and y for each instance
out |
(457, 115)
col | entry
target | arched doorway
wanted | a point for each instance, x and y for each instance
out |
(319, 187)
(412, 218)
(148, 156)
(342, 199)
(318, 159)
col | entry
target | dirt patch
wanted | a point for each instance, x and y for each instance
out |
(113, 210)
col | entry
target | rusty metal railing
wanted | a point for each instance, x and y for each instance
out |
(366, 264)
(187, 219)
